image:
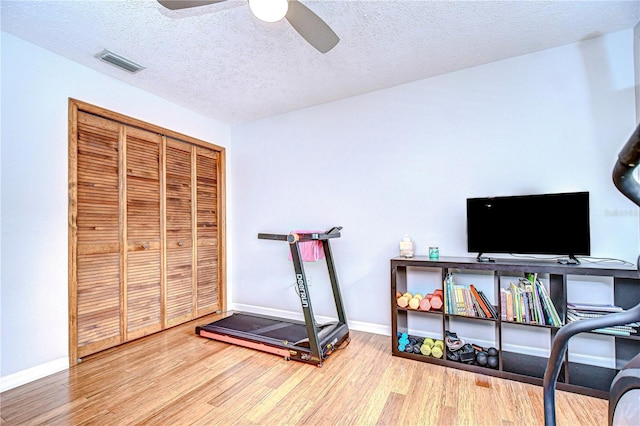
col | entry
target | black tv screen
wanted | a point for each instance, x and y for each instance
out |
(548, 224)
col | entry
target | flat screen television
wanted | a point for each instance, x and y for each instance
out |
(545, 224)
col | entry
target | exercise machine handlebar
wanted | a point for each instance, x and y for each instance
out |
(294, 237)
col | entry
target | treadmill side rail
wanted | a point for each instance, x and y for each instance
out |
(246, 343)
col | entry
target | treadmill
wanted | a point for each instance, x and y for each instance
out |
(304, 341)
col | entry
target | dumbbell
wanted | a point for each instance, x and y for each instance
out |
(425, 348)
(482, 358)
(425, 305)
(436, 302)
(436, 351)
(414, 302)
(492, 357)
(403, 341)
(403, 301)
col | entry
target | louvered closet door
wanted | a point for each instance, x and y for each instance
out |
(207, 201)
(143, 285)
(98, 235)
(180, 292)
(144, 232)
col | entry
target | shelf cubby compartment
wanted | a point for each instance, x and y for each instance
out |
(525, 366)
(526, 349)
(594, 380)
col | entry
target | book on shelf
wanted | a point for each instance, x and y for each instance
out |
(528, 302)
(612, 331)
(547, 304)
(517, 302)
(525, 284)
(509, 297)
(618, 330)
(470, 303)
(451, 303)
(493, 312)
(463, 309)
(593, 307)
(481, 302)
(466, 300)
(586, 311)
(503, 304)
(460, 306)
(538, 301)
(585, 315)
(476, 306)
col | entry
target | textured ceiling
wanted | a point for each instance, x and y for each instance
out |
(222, 62)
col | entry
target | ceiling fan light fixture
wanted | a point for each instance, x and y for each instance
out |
(269, 10)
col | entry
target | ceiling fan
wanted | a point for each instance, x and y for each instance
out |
(309, 25)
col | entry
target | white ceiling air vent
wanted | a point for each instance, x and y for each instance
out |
(119, 61)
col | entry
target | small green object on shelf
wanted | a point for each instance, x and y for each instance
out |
(434, 253)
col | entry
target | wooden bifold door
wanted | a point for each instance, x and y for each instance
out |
(146, 229)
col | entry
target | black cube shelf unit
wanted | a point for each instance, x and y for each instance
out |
(575, 377)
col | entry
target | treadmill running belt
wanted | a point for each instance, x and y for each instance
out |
(274, 329)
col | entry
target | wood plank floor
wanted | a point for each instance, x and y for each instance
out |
(178, 378)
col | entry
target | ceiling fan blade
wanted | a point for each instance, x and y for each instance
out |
(185, 4)
(311, 27)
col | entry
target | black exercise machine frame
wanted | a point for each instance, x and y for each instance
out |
(320, 344)
(623, 179)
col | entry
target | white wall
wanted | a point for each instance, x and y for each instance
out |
(404, 160)
(636, 61)
(36, 87)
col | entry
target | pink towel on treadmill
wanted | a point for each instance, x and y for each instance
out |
(310, 251)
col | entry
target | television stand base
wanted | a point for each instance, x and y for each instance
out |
(569, 261)
(485, 259)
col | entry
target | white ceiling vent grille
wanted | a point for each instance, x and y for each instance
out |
(119, 61)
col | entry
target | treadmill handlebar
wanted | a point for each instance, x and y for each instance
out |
(294, 237)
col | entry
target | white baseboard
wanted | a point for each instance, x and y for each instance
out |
(367, 327)
(30, 374)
